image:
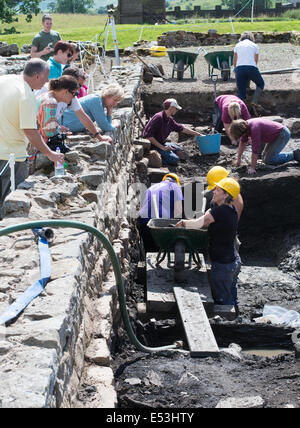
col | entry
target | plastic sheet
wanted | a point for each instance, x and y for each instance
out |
(279, 316)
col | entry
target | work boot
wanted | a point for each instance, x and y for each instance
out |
(256, 95)
(297, 155)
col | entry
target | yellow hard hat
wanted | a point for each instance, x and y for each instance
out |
(230, 185)
(174, 176)
(215, 174)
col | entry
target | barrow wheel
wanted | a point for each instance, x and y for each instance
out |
(225, 71)
(179, 253)
(180, 69)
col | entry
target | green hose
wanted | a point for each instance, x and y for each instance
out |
(115, 262)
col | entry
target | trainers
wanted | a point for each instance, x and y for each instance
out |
(297, 155)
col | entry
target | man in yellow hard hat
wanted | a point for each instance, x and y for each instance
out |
(162, 200)
(222, 222)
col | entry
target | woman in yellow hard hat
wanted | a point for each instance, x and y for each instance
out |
(222, 222)
(214, 175)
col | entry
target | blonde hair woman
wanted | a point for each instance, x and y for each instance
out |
(94, 106)
(226, 109)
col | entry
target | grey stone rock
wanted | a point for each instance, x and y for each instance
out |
(17, 204)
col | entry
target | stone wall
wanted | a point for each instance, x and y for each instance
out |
(189, 38)
(42, 353)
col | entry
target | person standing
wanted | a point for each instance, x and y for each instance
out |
(43, 43)
(267, 137)
(159, 128)
(222, 223)
(18, 124)
(245, 61)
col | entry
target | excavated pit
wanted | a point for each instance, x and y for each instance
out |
(269, 231)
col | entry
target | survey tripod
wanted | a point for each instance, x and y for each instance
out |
(110, 23)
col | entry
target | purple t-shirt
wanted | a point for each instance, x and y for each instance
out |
(160, 126)
(262, 131)
(223, 103)
(166, 195)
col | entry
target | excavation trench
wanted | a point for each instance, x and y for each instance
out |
(265, 364)
(256, 359)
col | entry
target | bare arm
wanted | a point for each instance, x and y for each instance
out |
(197, 223)
(89, 125)
(239, 205)
(241, 149)
(190, 132)
(256, 58)
(35, 54)
(235, 57)
(227, 126)
(36, 140)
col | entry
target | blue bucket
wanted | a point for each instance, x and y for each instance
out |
(209, 144)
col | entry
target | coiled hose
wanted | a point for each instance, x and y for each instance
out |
(115, 262)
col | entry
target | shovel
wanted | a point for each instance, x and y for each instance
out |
(151, 68)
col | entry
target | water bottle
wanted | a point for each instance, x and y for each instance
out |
(59, 167)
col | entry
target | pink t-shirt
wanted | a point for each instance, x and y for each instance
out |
(223, 103)
(262, 131)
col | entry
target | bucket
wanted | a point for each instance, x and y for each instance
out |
(158, 51)
(209, 144)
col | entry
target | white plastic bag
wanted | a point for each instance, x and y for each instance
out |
(279, 316)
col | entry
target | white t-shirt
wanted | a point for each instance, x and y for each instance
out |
(245, 51)
(18, 111)
(61, 107)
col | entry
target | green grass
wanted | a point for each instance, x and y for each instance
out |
(85, 27)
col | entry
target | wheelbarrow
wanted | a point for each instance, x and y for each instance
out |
(181, 61)
(179, 241)
(220, 60)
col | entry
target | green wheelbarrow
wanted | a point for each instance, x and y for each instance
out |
(221, 60)
(179, 241)
(181, 61)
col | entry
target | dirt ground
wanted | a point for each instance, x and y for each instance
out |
(172, 379)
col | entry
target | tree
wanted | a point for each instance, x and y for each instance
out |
(10, 8)
(73, 6)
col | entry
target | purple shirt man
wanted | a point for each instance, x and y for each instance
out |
(160, 126)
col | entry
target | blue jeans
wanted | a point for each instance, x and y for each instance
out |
(271, 154)
(170, 158)
(243, 74)
(223, 280)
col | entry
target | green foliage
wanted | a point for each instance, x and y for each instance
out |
(10, 8)
(291, 14)
(73, 6)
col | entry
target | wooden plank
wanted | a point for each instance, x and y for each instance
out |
(200, 337)
(160, 283)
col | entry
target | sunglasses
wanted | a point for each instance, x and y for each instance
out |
(69, 55)
(74, 93)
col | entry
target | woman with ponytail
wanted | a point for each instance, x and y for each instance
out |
(61, 90)
(226, 109)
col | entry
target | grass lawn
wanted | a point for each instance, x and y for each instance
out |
(85, 27)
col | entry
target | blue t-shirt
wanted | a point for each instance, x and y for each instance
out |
(93, 106)
(56, 69)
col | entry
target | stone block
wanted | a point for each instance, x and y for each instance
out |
(17, 204)
(254, 402)
(98, 352)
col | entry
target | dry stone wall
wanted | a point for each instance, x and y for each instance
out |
(42, 353)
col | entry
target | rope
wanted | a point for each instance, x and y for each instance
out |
(4, 168)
